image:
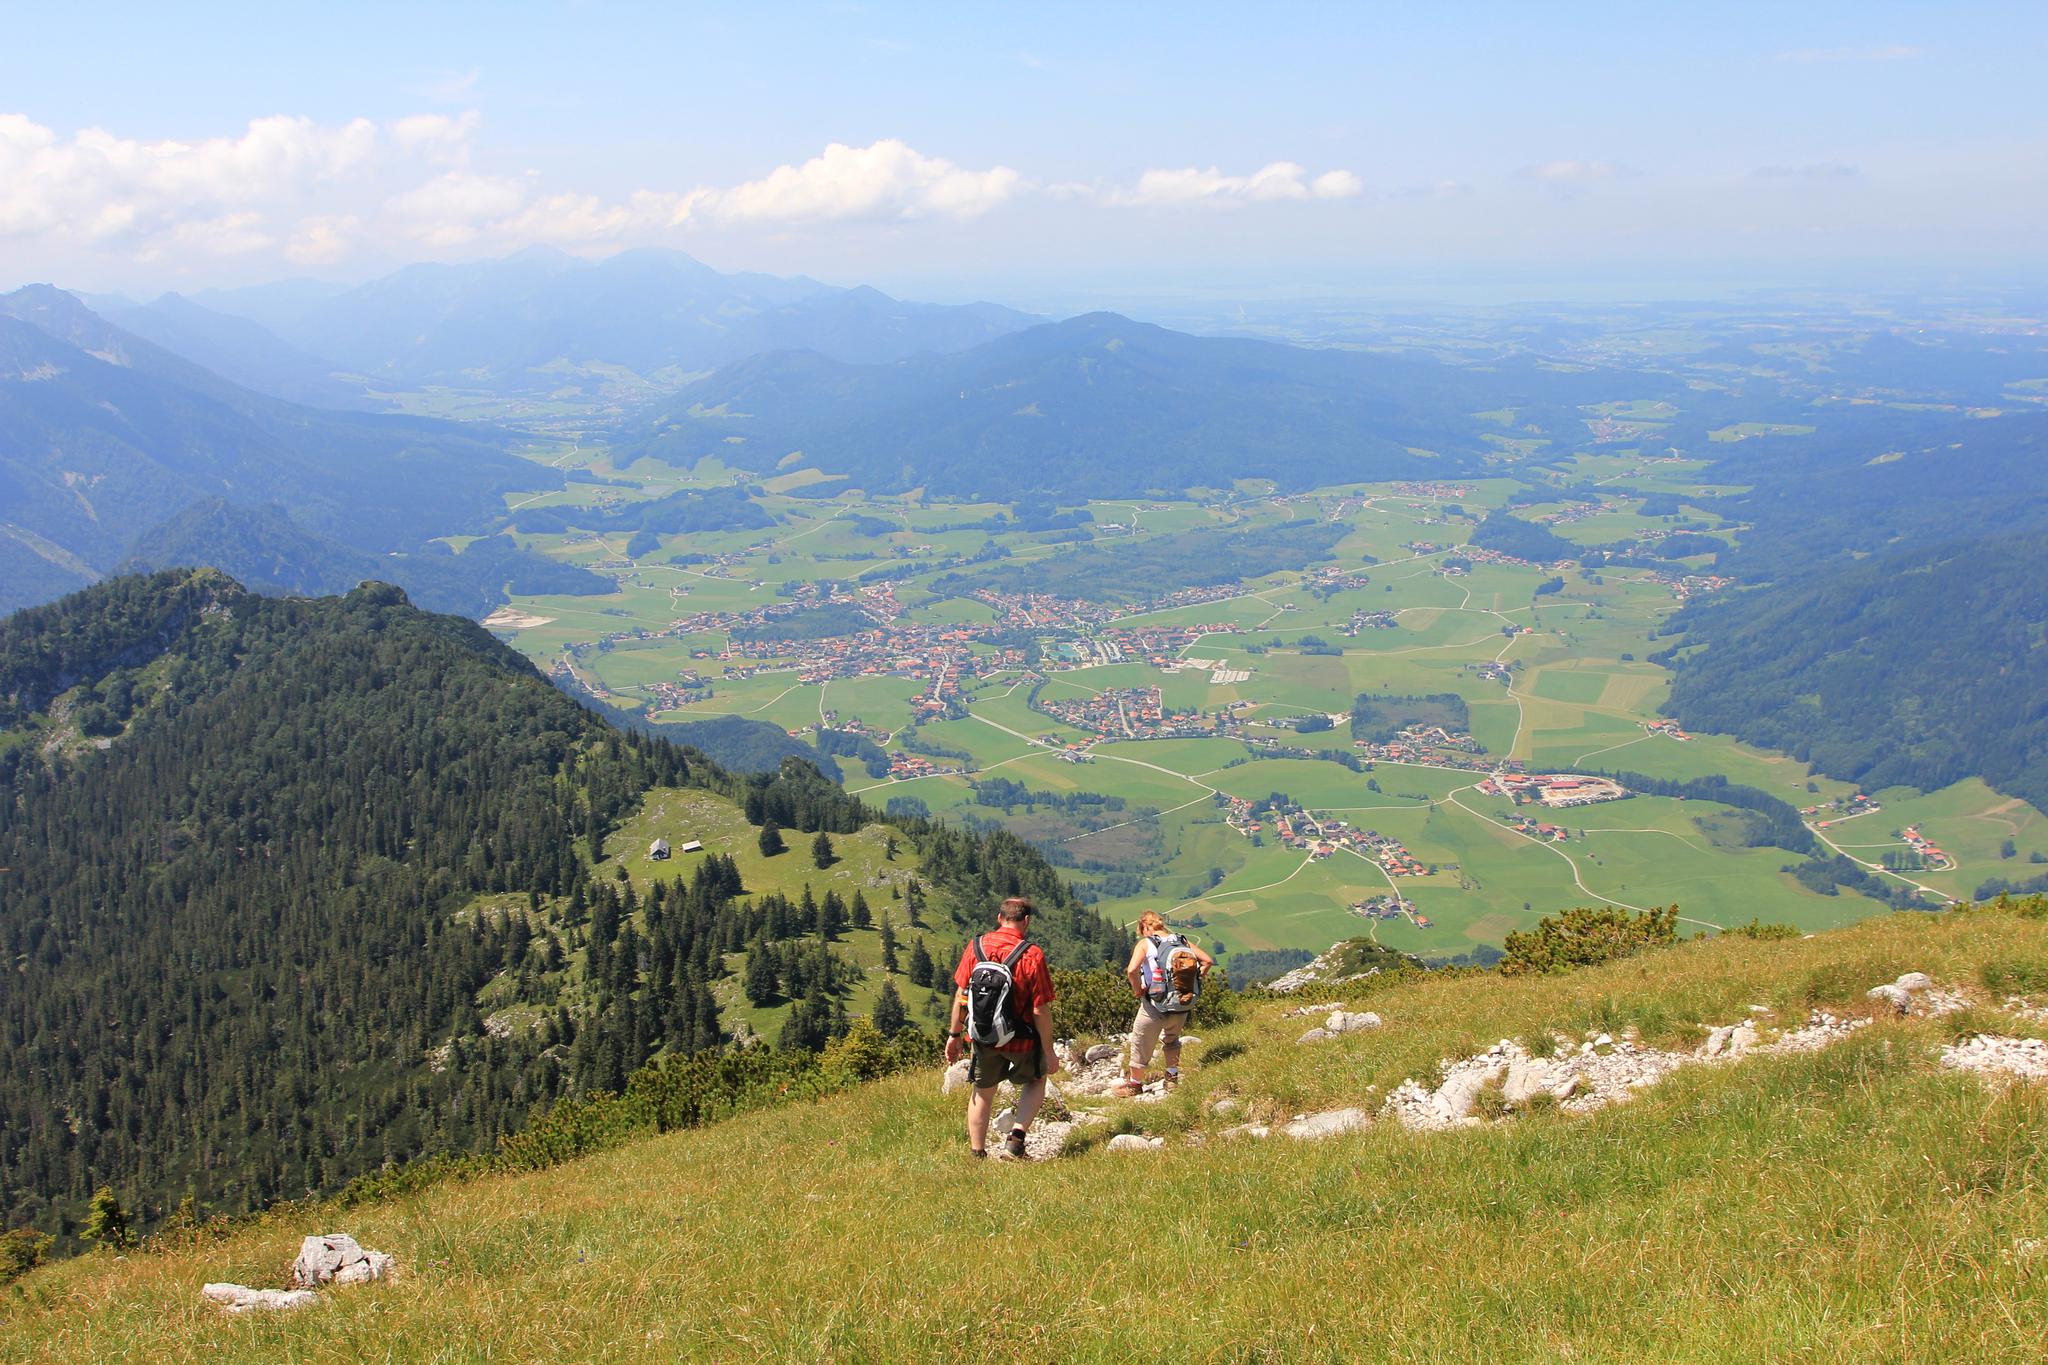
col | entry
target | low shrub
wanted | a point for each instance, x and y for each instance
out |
(1582, 936)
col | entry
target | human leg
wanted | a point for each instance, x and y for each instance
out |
(980, 1105)
(1170, 1049)
(1144, 1037)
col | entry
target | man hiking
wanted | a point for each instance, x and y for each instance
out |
(1165, 972)
(1003, 1011)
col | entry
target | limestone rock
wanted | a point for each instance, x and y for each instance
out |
(1134, 1142)
(1915, 981)
(1330, 1123)
(1099, 1052)
(1248, 1130)
(1995, 1056)
(1190, 1040)
(1527, 1078)
(1223, 1104)
(1342, 1022)
(336, 1259)
(1898, 997)
(237, 1298)
(955, 1077)
(1315, 1035)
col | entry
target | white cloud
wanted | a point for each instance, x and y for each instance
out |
(1277, 181)
(437, 137)
(1887, 52)
(1573, 174)
(100, 187)
(882, 181)
(323, 239)
(455, 208)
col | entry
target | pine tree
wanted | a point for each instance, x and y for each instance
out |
(913, 903)
(861, 915)
(921, 968)
(761, 981)
(771, 839)
(889, 849)
(107, 1224)
(889, 946)
(890, 1016)
(821, 850)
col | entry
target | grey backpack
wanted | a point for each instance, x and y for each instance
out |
(1176, 974)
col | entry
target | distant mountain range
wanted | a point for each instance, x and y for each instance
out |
(1099, 405)
(543, 321)
(104, 436)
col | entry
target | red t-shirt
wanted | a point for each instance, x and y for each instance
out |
(1034, 982)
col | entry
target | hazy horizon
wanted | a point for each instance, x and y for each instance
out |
(1061, 155)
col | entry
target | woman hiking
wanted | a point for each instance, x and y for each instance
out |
(1165, 972)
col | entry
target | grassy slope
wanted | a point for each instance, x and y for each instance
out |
(1852, 1204)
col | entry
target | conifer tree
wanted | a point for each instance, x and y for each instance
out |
(761, 983)
(890, 1016)
(107, 1223)
(821, 850)
(921, 968)
(861, 916)
(889, 945)
(771, 839)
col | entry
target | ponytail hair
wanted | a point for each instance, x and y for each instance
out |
(1151, 922)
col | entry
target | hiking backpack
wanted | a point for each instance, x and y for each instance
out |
(993, 1018)
(1176, 974)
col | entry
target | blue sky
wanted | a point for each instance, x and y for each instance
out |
(940, 151)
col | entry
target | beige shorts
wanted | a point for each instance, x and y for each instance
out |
(1149, 1029)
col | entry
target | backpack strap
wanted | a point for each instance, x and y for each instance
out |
(979, 955)
(1016, 954)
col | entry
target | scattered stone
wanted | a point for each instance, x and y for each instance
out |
(336, 1259)
(1998, 1056)
(1341, 1022)
(1134, 1142)
(1329, 1124)
(1822, 1030)
(2025, 1009)
(1099, 1052)
(1916, 993)
(955, 1077)
(1728, 1042)
(237, 1298)
(1247, 1130)
(1315, 1035)
(1223, 1104)
(1190, 1040)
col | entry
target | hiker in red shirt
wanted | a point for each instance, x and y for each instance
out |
(1003, 1009)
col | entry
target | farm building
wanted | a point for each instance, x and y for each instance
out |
(658, 850)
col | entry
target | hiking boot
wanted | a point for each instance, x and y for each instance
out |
(1172, 1081)
(977, 1153)
(1127, 1090)
(1014, 1143)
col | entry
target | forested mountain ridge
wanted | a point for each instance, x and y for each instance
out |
(103, 435)
(264, 856)
(1916, 668)
(1100, 405)
(539, 319)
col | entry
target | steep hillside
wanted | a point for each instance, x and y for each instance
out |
(543, 320)
(242, 352)
(1101, 405)
(265, 550)
(103, 435)
(1800, 1172)
(297, 887)
(1916, 668)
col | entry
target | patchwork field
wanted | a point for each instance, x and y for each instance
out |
(970, 680)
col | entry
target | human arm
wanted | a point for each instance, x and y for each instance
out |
(955, 1027)
(1207, 961)
(1134, 970)
(1041, 1019)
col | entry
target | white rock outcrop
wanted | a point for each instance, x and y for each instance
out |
(1135, 1142)
(1995, 1056)
(1915, 993)
(239, 1298)
(335, 1258)
(1330, 1123)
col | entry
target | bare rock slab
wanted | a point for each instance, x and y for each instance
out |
(239, 1298)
